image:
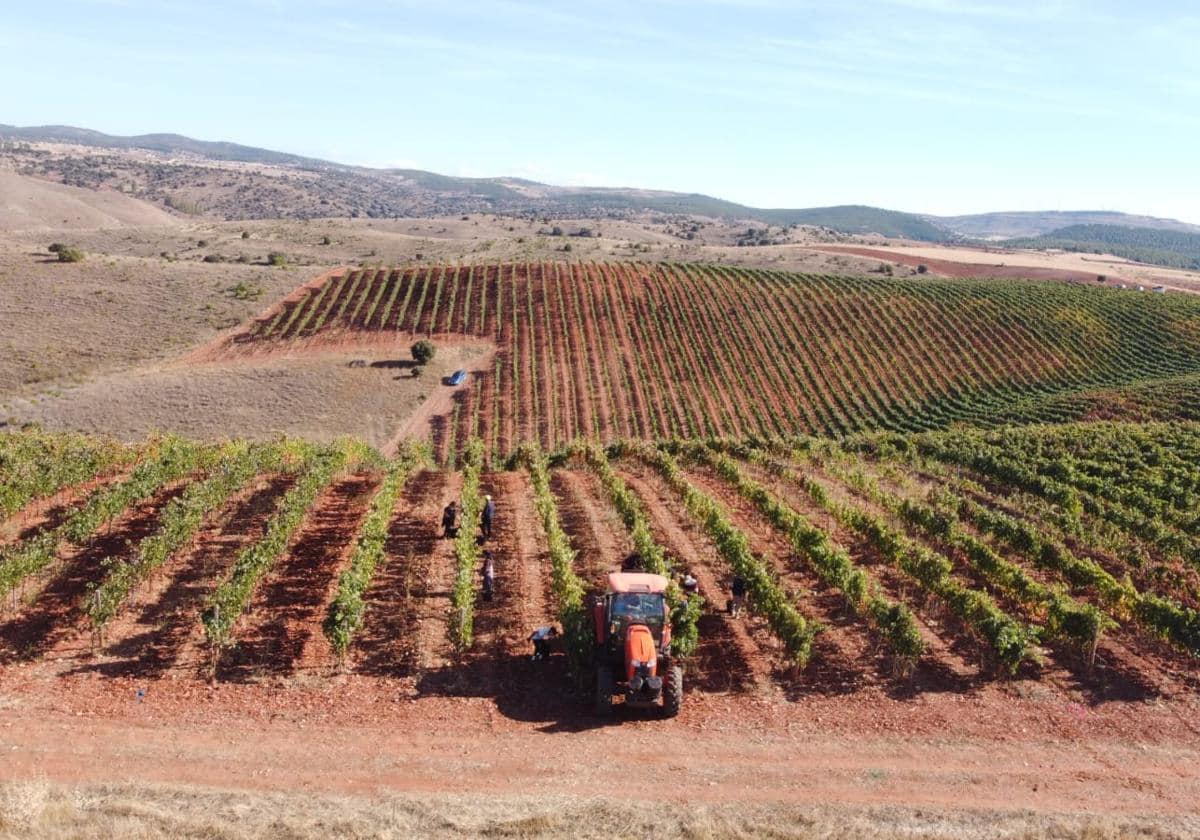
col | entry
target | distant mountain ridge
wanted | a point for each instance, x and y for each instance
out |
(166, 143)
(1020, 224)
(340, 189)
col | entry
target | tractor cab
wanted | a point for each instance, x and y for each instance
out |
(633, 644)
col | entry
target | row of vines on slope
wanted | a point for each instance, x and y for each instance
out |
(167, 460)
(461, 624)
(348, 608)
(318, 470)
(893, 621)
(764, 591)
(240, 462)
(670, 350)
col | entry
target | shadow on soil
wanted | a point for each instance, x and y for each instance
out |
(524, 690)
(398, 364)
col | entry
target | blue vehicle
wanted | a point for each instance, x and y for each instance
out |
(457, 378)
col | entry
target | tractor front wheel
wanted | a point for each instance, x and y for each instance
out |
(605, 686)
(672, 691)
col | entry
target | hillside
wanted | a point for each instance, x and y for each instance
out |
(261, 184)
(1173, 249)
(661, 350)
(1035, 223)
(864, 220)
(28, 204)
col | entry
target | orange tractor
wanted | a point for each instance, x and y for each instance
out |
(632, 622)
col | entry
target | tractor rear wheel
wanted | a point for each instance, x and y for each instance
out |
(672, 691)
(605, 686)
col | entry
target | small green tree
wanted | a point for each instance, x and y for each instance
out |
(67, 254)
(276, 258)
(422, 351)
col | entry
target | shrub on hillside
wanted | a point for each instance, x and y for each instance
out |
(67, 254)
(276, 258)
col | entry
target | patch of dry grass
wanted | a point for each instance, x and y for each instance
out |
(39, 809)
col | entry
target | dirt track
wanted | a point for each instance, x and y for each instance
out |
(994, 749)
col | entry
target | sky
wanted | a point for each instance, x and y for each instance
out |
(928, 106)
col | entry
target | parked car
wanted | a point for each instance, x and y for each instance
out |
(457, 378)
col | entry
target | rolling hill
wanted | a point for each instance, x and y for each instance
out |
(1026, 224)
(1173, 249)
(183, 179)
(294, 186)
(679, 351)
(33, 204)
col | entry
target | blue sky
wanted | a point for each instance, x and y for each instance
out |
(923, 105)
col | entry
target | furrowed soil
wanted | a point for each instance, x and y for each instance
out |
(407, 716)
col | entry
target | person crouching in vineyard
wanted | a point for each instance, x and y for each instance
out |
(450, 520)
(489, 575)
(738, 591)
(543, 640)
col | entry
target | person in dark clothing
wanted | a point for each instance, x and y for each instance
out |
(489, 575)
(450, 520)
(633, 563)
(485, 522)
(690, 585)
(738, 590)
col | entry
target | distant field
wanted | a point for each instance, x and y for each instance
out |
(1003, 261)
(656, 351)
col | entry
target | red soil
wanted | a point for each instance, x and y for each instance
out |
(408, 714)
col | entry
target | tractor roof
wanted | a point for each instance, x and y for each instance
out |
(636, 582)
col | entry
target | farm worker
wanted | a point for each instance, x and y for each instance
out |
(489, 575)
(489, 511)
(738, 591)
(690, 585)
(542, 638)
(449, 517)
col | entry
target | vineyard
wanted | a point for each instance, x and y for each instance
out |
(1066, 554)
(656, 351)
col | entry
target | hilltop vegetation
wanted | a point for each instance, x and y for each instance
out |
(857, 219)
(1173, 249)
